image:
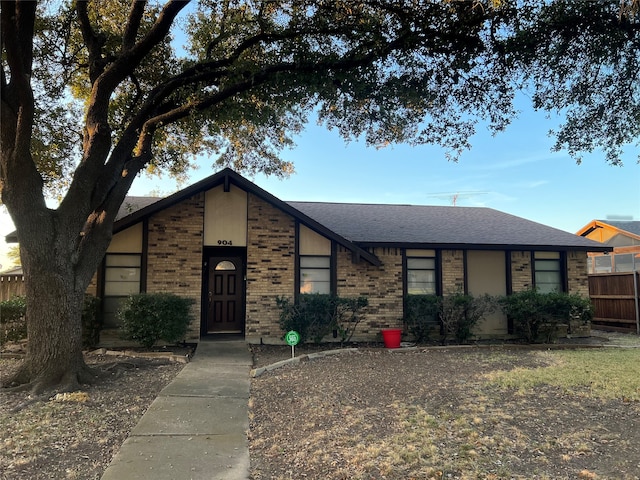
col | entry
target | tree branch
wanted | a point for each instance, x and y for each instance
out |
(133, 24)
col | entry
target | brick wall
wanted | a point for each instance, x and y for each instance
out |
(452, 271)
(577, 273)
(175, 254)
(381, 285)
(521, 274)
(270, 268)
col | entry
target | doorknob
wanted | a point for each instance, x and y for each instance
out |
(210, 296)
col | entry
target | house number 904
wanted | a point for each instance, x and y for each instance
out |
(224, 242)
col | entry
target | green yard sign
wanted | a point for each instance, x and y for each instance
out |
(292, 338)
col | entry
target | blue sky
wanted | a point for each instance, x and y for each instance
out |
(514, 172)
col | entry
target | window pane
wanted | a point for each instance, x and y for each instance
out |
(421, 275)
(121, 288)
(122, 275)
(315, 274)
(624, 262)
(553, 265)
(122, 260)
(603, 264)
(309, 286)
(421, 288)
(548, 277)
(547, 288)
(225, 265)
(421, 263)
(315, 262)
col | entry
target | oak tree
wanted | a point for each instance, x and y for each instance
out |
(94, 93)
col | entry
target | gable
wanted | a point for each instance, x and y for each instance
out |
(358, 227)
(613, 233)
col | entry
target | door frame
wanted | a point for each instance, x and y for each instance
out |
(207, 253)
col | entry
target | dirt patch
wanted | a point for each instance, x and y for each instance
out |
(428, 413)
(75, 436)
(433, 413)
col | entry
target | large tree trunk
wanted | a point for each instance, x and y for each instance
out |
(54, 296)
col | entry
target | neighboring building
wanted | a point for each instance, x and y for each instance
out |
(233, 248)
(11, 283)
(623, 236)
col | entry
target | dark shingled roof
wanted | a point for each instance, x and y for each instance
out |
(627, 226)
(371, 224)
(133, 204)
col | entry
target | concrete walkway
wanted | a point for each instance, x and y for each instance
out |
(197, 427)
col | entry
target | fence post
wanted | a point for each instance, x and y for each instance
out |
(635, 295)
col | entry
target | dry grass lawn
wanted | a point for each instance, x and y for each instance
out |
(450, 414)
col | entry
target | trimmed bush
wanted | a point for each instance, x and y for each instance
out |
(460, 313)
(316, 315)
(147, 318)
(536, 316)
(13, 326)
(422, 316)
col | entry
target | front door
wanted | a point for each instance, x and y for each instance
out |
(225, 295)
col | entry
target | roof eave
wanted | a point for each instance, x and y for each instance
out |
(227, 177)
(485, 246)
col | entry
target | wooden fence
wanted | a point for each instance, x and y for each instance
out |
(10, 286)
(616, 298)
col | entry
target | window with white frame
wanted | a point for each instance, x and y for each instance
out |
(547, 268)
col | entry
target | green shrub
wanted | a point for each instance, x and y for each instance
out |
(570, 308)
(13, 326)
(528, 312)
(536, 316)
(147, 318)
(317, 315)
(422, 316)
(91, 321)
(12, 309)
(348, 314)
(460, 313)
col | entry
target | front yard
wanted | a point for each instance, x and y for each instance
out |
(450, 414)
(433, 413)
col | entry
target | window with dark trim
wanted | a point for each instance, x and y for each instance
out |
(547, 268)
(315, 274)
(421, 276)
(121, 279)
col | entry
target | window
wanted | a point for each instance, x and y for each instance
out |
(602, 264)
(548, 272)
(315, 274)
(225, 265)
(623, 262)
(121, 278)
(421, 276)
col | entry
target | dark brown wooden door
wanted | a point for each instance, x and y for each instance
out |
(225, 295)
